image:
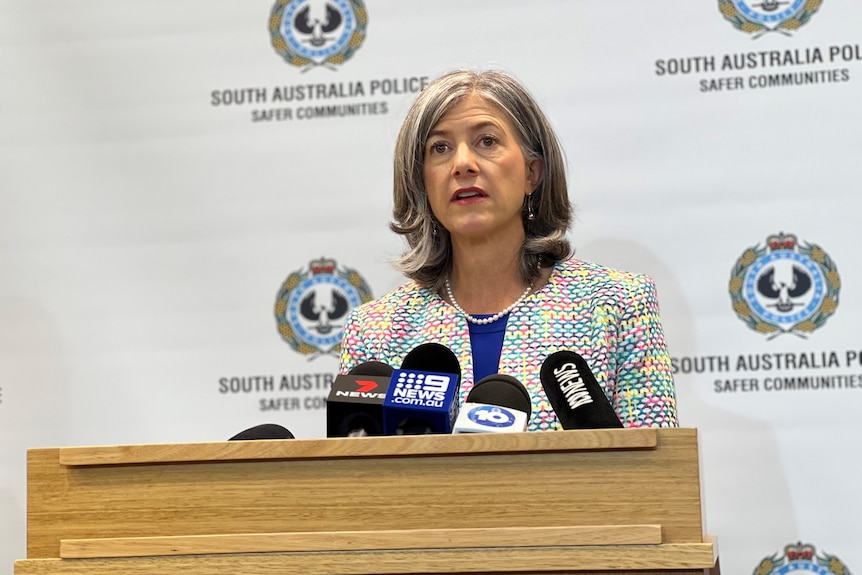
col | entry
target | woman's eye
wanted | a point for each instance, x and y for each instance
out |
(438, 148)
(488, 141)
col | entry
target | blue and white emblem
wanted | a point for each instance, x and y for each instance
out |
(312, 306)
(762, 16)
(310, 33)
(784, 287)
(803, 559)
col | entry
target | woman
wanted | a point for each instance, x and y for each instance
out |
(481, 198)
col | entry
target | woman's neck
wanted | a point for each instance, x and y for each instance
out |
(486, 278)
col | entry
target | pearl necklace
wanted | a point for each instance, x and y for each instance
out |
(485, 320)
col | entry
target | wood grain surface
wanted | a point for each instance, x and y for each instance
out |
(257, 500)
(363, 540)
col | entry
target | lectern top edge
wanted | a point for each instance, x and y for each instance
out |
(399, 446)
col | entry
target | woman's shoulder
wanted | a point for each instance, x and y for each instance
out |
(586, 277)
(405, 296)
(574, 268)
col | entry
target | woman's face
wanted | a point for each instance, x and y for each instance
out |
(476, 175)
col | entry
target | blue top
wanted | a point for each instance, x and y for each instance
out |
(487, 343)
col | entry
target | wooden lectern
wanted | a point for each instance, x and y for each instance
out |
(621, 501)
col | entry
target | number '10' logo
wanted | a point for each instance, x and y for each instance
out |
(491, 415)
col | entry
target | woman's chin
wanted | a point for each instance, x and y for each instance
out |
(481, 231)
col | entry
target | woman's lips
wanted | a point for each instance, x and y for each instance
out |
(468, 195)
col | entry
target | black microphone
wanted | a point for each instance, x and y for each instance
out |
(263, 431)
(574, 393)
(354, 407)
(497, 404)
(423, 394)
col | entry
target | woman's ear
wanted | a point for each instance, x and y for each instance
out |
(535, 170)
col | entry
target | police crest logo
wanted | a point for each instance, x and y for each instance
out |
(764, 16)
(799, 558)
(784, 287)
(309, 33)
(313, 304)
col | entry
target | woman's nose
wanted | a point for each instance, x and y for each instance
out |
(464, 161)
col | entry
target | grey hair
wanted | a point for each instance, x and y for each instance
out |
(428, 259)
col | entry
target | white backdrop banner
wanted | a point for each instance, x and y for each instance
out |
(178, 177)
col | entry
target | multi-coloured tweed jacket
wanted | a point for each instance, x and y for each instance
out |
(609, 317)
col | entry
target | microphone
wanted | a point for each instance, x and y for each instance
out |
(574, 393)
(422, 395)
(496, 404)
(263, 431)
(354, 407)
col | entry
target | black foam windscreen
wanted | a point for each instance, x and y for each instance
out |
(263, 431)
(503, 390)
(575, 394)
(432, 357)
(377, 368)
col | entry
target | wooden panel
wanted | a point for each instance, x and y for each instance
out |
(363, 540)
(411, 445)
(676, 559)
(489, 481)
